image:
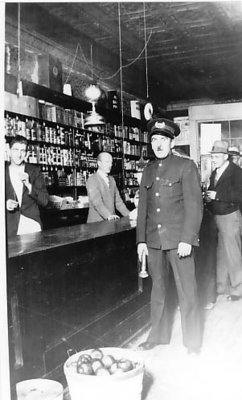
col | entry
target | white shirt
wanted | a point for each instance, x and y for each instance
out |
(219, 171)
(26, 225)
(14, 173)
(103, 176)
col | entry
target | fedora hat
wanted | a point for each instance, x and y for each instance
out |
(233, 151)
(220, 146)
(164, 127)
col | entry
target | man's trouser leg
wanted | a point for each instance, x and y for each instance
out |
(184, 274)
(229, 255)
(158, 269)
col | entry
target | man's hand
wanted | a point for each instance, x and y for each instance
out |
(142, 248)
(184, 249)
(11, 204)
(113, 217)
(211, 194)
(24, 177)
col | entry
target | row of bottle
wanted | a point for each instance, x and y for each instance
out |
(40, 132)
(133, 149)
(130, 179)
(130, 133)
(130, 164)
(35, 130)
(60, 177)
(53, 113)
(57, 156)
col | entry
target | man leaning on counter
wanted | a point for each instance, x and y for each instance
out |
(103, 194)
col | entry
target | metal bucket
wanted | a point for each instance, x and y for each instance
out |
(39, 389)
(119, 387)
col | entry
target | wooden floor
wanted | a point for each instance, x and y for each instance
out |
(215, 374)
(171, 374)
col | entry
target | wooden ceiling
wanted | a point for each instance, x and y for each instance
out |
(193, 51)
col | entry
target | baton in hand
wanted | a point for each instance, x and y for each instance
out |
(143, 271)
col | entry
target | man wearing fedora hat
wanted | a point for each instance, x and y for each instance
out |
(169, 217)
(234, 155)
(224, 196)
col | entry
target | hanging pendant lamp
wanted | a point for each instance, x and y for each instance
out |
(93, 93)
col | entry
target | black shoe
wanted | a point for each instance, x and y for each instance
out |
(233, 297)
(147, 345)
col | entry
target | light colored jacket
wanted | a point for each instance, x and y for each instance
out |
(103, 200)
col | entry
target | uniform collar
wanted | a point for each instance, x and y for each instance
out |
(164, 160)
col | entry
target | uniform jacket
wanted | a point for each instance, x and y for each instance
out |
(170, 204)
(103, 200)
(30, 201)
(228, 190)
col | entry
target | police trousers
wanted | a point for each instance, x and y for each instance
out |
(159, 263)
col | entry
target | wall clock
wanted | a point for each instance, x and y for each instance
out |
(148, 111)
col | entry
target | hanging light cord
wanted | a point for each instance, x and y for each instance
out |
(120, 63)
(19, 42)
(146, 56)
(72, 65)
(90, 67)
(121, 84)
(92, 60)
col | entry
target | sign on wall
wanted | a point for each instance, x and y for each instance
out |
(184, 137)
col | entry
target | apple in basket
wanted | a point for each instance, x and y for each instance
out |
(84, 358)
(85, 368)
(102, 371)
(100, 364)
(96, 364)
(97, 353)
(108, 360)
(125, 364)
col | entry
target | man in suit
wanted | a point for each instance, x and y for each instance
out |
(169, 216)
(224, 196)
(234, 155)
(103, 194)
(25, 191)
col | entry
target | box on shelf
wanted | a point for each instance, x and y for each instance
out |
(50, 112)
(22, 105)
(50, 72)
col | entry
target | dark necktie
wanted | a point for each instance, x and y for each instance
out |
(216, 178)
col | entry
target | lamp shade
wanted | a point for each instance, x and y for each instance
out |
(93, 92)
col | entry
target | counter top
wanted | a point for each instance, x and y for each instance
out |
(51, 238)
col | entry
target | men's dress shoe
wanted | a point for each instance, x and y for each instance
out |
(193, 351)
(147, 345)
(233, 297)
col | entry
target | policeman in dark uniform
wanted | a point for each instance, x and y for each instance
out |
(169, 217)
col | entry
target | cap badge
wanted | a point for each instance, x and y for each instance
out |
(160, 125)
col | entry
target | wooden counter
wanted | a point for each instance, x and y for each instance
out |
(59, 281)
(54, 238)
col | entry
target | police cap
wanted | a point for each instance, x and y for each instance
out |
(164, 127)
